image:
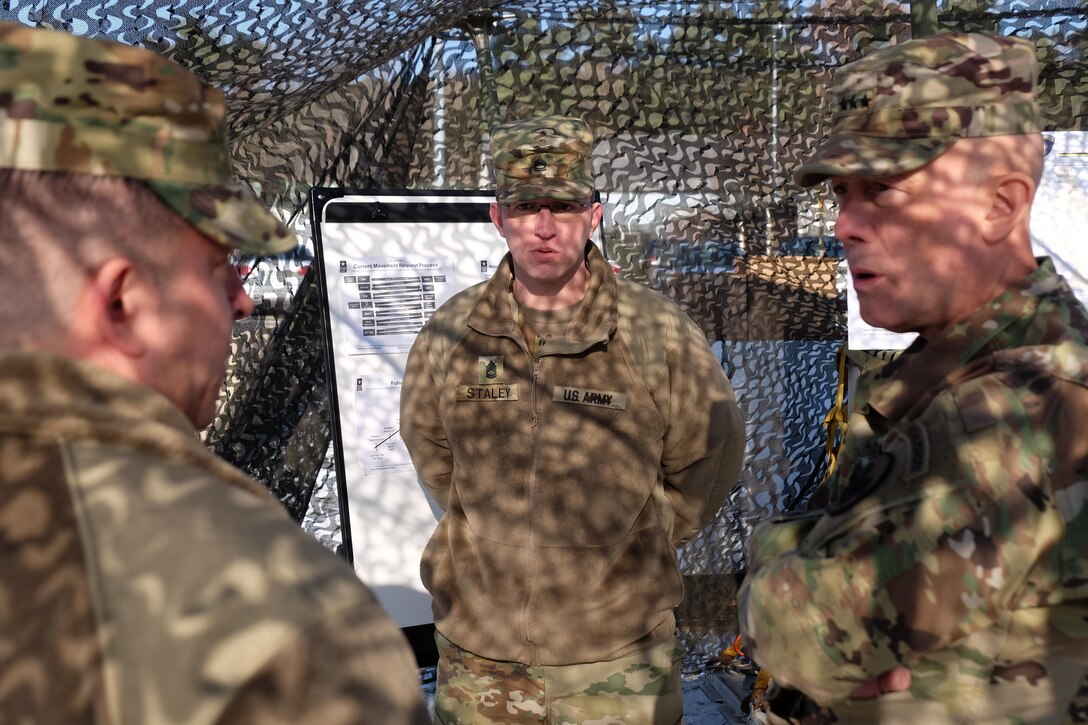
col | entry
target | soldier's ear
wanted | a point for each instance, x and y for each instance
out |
(113, 299)
(595, 219)
(1009, 205)
(496, 218)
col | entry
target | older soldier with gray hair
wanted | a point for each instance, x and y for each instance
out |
(143, 579)
(575, 428)
(947, 579)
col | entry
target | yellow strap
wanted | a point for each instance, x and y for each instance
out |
(835, 420)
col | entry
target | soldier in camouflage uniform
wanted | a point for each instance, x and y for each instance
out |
(947, 579)
(142, 579)
(575, 427)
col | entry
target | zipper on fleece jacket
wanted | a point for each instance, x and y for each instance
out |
(535, 442)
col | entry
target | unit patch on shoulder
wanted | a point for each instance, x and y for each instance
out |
(487, 392)
(918, 445)
(596, 398)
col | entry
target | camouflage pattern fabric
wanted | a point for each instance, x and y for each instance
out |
(640, 689)
(955, 542)
(701, 111)
(83, 106)
(900, 107)
(147, 582)
(542, 157)
(577, 550)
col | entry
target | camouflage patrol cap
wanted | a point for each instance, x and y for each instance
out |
(542, 158)
(902, 106)
(85, 106)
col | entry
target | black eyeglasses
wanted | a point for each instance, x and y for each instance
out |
(560, 209)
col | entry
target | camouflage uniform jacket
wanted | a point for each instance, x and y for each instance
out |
(567, 479)
(955, 541)
(146, 581)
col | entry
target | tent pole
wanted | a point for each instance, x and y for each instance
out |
(923, 18)
(479, 28)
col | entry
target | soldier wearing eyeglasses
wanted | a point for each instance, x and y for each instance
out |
(944, 578)
(575, 428)
(143, 579)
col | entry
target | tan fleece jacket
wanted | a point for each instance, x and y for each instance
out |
(143, 580)
(567, 479)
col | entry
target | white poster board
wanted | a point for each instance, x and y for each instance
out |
(1060, 214)
(1058, 218)
(386, 261)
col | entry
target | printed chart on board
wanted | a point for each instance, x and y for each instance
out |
(1059, 216)
(388, 260)
(384, 302)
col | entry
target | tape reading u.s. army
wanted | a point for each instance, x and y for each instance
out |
(487, 392)
(597, 398)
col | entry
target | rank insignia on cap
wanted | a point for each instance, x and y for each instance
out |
(542, 158)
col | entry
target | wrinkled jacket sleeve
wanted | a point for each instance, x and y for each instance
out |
(420, 422)
(704, 440)
(930, 541)
(355, 668)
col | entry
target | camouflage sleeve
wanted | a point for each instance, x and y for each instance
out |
(420, 423)
(704, 440)
(353, 669)
(931, 540)
(780, 535)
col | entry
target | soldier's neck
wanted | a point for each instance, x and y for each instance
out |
(552, 295)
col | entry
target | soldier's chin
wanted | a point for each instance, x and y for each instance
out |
(202, 416)
(876, 320)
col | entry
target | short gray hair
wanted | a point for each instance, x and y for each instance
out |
(59, 228)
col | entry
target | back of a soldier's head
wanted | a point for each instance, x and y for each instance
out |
(121, 213)
(95, 107)
(901, 106)
(104, 148)
(58, 228)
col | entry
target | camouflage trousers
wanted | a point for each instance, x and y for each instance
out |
(640, 689)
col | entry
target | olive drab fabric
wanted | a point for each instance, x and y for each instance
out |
(900, 107)
(955, 541)
(145, 581)
(85, 106)
(542, 157)
(568, 477)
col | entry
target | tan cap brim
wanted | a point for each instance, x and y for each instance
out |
(230, 215)
(858, 155)
(539, 187)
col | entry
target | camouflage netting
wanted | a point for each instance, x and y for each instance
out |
(702, 110)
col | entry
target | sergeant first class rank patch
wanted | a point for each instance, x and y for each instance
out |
(489, 373)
